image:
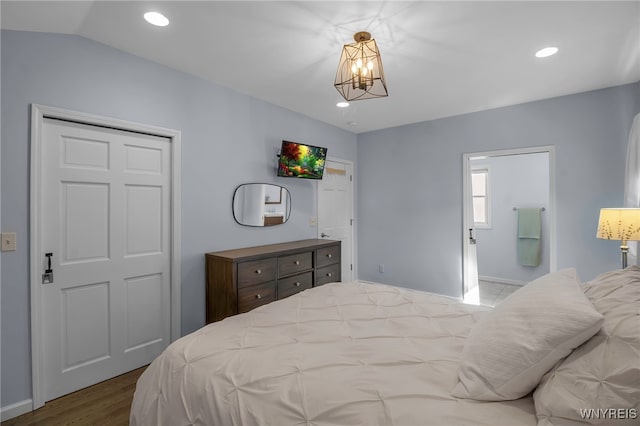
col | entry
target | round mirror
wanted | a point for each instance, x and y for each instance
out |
(261, 204)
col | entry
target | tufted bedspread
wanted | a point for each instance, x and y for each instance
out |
(338, 354)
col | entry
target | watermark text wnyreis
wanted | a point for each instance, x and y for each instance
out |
(608, 413)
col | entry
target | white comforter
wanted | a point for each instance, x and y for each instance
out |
(338, 354)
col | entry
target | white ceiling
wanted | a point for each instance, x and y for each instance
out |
(440, 58)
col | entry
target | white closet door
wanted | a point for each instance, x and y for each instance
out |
(106, 223)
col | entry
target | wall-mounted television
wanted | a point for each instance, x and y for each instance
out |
(301, 161)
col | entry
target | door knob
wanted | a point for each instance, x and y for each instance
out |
(324, 235)
(47, 277)
(471, 239)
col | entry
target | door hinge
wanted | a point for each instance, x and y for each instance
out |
(351, 222)
(350, 178)
(351, 266)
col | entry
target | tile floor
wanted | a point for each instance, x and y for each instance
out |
(492, 293)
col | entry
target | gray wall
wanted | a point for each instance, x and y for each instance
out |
(514, 181)
(227, 139)
(410, 184)
(409, 178)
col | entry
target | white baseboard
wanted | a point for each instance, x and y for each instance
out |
(16, 409)
(502, 280)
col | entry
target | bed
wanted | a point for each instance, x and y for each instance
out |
(337, 354)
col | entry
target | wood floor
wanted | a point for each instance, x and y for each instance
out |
(105, 404)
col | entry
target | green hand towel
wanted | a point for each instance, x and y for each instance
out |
(529, 233)
(529, 223)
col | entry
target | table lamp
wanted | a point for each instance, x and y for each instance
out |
(622, 224)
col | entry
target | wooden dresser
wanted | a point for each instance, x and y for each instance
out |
(243, 279)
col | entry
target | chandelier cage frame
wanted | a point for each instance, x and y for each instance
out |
(360, 74)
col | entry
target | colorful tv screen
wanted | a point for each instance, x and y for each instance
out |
(301, 161)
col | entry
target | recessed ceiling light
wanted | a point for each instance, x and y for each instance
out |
(547, 51)
(156, 18)
(342, 104)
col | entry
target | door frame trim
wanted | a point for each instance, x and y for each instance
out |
(354, 249)
(38, 114)
(466, 205)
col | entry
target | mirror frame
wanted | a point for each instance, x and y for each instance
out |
(287, 215)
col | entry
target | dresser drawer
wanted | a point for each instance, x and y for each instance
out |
(328, 274)
(255, 272)
(256, 295)
(328, 256)
(295, 284)
(293, 263)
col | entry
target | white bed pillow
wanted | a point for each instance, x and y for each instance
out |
(514, 345)
(604, 373)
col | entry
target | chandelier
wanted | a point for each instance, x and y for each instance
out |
(360, 74)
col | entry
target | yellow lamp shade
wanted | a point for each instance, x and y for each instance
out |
(622, 224)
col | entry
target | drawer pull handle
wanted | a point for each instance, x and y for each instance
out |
(329, 256)
(258, 271)
(258, 296)
(297, 284)
(297, 262)
(329, 274)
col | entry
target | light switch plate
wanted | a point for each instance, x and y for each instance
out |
(8, 241)
(313, 221)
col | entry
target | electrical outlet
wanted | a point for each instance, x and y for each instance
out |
(8, 241)
(313, 221)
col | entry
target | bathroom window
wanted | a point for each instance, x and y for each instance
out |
(480, 194)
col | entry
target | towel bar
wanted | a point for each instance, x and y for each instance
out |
(542, 209)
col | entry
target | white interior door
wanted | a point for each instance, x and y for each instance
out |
(470, 290)
(106, 221)
(335, 210)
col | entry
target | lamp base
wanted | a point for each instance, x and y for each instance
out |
(624, 249)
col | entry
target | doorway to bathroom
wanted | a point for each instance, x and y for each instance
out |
(507, 195)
